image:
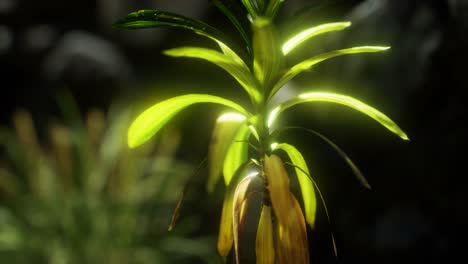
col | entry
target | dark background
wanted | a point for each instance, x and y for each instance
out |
(47, 46)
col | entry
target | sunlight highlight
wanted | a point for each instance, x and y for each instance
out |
(231, 117)
(272, 117)
(311, 32)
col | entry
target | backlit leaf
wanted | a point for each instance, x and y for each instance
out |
(307, 64)
(309, 33)
(343, 100)
(237, 153)
(237, 70)
(278, 186)
(154, 118)
(251, 7)
(223, 136)
(267, 53)
(307, 187)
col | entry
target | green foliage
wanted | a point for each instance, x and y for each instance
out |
(262, 72)
(154, 118)
(307, 187)
(83, 196)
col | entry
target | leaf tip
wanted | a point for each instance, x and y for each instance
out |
(133, 140)
(405, 137)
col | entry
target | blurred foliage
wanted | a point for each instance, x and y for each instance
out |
(82, 196)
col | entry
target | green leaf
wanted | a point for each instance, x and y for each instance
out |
(154, 118)
(223, 136)
(251, 8)
(267, 53)
(156, 18)
(357, 172)
(307, 187)
(309, 33)
(273, 8)
(237, 24)
(324, 205)
(343, 100)
(307, 64)
(237, 70)
(237, 153)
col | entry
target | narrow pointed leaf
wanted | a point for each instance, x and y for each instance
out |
(307, 187)
(237, 70)
(225, 235)
(264, 246)
(278, 186)
(356, 171)
(251, 7)
(322, 199)
(291, 237)
(309, 33)
(157, 18)
(239, 198)
(260, 5)
(180, 200)
(267, 54)
(237, 24)
(237, 153)
(343, 100)
(223, 136)
(154, 118)
(273, 8)
(307, 64)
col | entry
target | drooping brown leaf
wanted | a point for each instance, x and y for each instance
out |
(239, 198)
(291, 244)
(278, 186)
(225, 235)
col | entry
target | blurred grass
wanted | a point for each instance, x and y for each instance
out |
(81, 196)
